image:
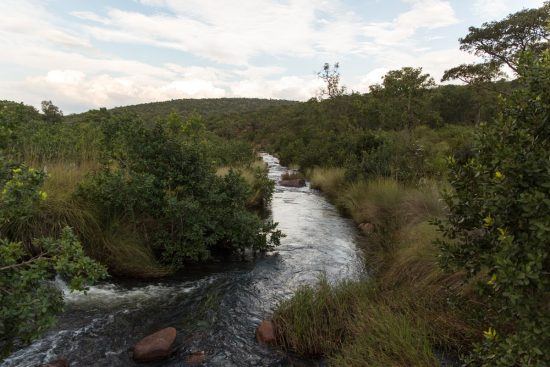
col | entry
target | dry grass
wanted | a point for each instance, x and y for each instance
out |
(328, 180)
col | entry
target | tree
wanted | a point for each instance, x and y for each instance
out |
(498, 229)
(501, 43)
(51, 112)
(406, 87)
(331, 77)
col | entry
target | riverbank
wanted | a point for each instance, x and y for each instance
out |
(407, 309)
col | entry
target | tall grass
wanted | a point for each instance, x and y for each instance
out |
(328, 180)
(316, 321)
(117, 247)
(385, 338)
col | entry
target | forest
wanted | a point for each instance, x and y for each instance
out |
(449, 185)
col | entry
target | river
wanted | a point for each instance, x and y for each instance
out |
(215, 310)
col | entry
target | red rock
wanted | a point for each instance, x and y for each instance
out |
(61, 362)
(265, 333)
(155, 346)
(195, 358)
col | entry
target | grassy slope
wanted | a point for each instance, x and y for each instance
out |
(206, 107)
(401, 314)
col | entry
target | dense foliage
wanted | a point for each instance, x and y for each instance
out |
(165, 187)
(27, 299)
(141, 197)
(207, 107)
(499, 223)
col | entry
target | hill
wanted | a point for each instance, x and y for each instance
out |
(206, 107)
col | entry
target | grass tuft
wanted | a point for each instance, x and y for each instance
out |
(328, 180)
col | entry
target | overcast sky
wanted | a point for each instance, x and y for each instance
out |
(87, 54)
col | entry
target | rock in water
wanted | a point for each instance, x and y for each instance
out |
(195, 358)
(61, 362)
(265, 333)
(155, 346)
(299, 182)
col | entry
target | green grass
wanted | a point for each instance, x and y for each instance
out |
(385, 338)
(316, 321)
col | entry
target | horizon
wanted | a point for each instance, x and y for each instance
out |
(83, 55)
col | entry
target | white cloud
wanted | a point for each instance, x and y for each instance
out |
(372, 77)
(64, 62)
(428, 14)
(496, 9)
(297, 87)
(31, 22)
(219, 31)
(65, 77)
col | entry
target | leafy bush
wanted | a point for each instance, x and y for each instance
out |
(28, 300)
(164, 186)
(499, 223)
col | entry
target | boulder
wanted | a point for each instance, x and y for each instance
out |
(155, 346)
(61, 362)
(195, 358)
(366, 227)
(265, 333)
(298, 182)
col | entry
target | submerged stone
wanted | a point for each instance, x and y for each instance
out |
(265, 333)
(155, 346)
(299, 182)
(60, 362)
(195, 358)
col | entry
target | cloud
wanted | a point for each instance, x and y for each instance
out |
(428, 14)
(218, 31)
(299, 87)
(31, 22)
(495, 9)
(256, 49)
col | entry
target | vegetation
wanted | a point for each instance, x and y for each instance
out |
(28, 302)
(499, 223)
(449, 184)
(206, 107)
(467, 274)
(142, 198)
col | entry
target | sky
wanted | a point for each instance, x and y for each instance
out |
(84, 54)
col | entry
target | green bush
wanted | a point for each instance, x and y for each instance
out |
(28, 302)
(164, 185)
(499, 224)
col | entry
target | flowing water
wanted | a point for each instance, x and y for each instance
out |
(215, 310)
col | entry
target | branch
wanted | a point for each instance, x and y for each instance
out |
(24, 263)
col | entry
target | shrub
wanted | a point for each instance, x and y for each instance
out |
(164, 187)
(499, 224)
(28, 301)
